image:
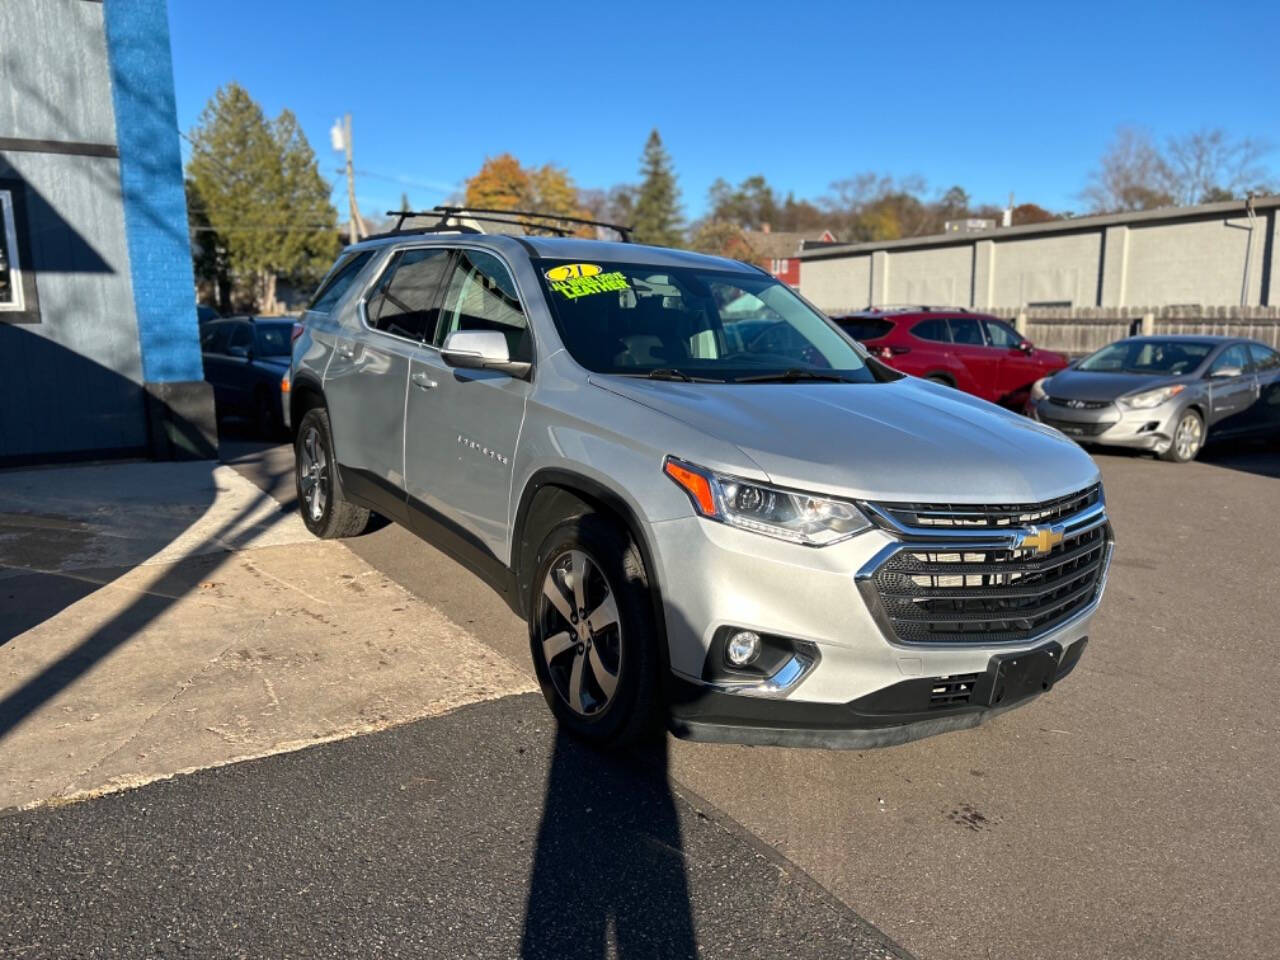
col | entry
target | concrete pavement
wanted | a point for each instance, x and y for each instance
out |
(160, 618)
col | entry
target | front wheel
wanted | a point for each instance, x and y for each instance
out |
(1188, 438)
(592, 632)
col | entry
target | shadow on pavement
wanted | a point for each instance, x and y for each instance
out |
(1259, 457)
(609, 862)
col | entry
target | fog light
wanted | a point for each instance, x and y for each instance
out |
(743, 647)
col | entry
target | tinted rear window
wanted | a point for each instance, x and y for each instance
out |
(935, 329)
(339, 279)
(865, 328)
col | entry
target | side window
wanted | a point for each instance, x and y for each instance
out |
(406, 300)
(1000, 334)
(935, 330)
(482, 296)
(212, 336)
(966, 330)
(1265, 360)
(241, 336)
(332, 289)
(1233, 358)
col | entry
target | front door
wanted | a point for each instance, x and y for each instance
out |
(1231, 389)
(369, 373)
(1264, 415)
(461, 426)
(1018, 369)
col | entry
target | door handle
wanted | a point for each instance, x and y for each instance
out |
(422, 381)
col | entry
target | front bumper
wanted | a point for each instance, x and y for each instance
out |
(715, 577)
(1112, 425)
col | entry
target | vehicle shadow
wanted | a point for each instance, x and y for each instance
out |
(609, 862)
(1259, 457)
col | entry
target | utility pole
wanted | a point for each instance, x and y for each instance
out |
(340, 137)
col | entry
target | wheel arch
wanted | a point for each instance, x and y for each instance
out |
(554, 495)
(305, 393)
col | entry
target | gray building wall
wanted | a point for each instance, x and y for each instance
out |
(72, 374)
(1189, 256)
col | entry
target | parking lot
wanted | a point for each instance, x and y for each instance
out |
(1131, 812)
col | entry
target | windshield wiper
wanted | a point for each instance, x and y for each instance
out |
(793, 375)
(671, 373)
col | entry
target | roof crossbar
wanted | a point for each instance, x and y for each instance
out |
(623, 231)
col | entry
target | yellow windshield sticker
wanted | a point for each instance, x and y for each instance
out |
(568, 270)
(574, 280)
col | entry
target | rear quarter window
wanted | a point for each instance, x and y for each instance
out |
(935, 330)
(340, 278)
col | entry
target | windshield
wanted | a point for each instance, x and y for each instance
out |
(272, 339)
(690, 323)
(1154, 357)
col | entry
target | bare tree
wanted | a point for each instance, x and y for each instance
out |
(1132, 175)
(1207, 165)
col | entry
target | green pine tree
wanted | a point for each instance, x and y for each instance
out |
(657, 205)
(258, 190)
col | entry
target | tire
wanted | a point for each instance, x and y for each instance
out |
(573, 655)
(324, 510)
(1185, 447)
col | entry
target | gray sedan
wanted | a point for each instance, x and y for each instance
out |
(1164, 394)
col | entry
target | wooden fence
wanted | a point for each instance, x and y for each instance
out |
(1082, 330)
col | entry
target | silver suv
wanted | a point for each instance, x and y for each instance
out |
(711, 506)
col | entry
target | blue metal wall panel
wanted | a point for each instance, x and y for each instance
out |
(155, 209)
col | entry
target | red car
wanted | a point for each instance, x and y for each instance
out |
(974, 352)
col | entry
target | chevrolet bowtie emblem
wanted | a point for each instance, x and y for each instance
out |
(1041, 539)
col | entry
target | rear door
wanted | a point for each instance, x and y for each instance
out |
(461, 426)
(969, 346)
(367, 378)
(1264, 415)
(1231, 389)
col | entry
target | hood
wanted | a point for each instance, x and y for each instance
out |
(906, 440)
(1083, 385)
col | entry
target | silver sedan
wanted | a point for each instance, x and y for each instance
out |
(1164, 394)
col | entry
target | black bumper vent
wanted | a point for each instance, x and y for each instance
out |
(1078, 428)
(953, 691)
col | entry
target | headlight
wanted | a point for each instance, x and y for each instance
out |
(807, 518)
(1037, 390)
(1151, 398)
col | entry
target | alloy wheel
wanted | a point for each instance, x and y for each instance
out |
(579, 633)
(1188, 436)
(313, 474)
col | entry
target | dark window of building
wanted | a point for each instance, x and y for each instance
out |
(935, 330)
(18, 300)
(338, 281)
(406, 300)
(482, 296)
(865, 328)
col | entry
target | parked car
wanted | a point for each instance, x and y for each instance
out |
(756, 532)
(1167, 394)
(206, 314)
(974, 352)
(247, 361)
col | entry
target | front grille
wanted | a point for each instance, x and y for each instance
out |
(936, 588)
(1080, 404)
(950, 516)
(1077, 429)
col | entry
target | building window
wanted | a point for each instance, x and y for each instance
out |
(17, 279)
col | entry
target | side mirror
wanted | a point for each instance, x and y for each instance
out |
(1025, 346)
(1225, 373)
(481, 350)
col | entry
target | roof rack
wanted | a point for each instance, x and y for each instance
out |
(444, 226)
(622, 231)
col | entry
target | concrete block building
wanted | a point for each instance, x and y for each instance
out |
(1199, 258)
(99, 346)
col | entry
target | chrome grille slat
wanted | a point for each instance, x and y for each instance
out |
(972, 582)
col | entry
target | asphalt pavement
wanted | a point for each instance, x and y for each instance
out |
(1131, 812)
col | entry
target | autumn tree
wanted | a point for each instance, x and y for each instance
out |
(503, 184)
(657, 210)
(261, 207)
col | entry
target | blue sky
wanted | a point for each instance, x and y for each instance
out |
(995, 97)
